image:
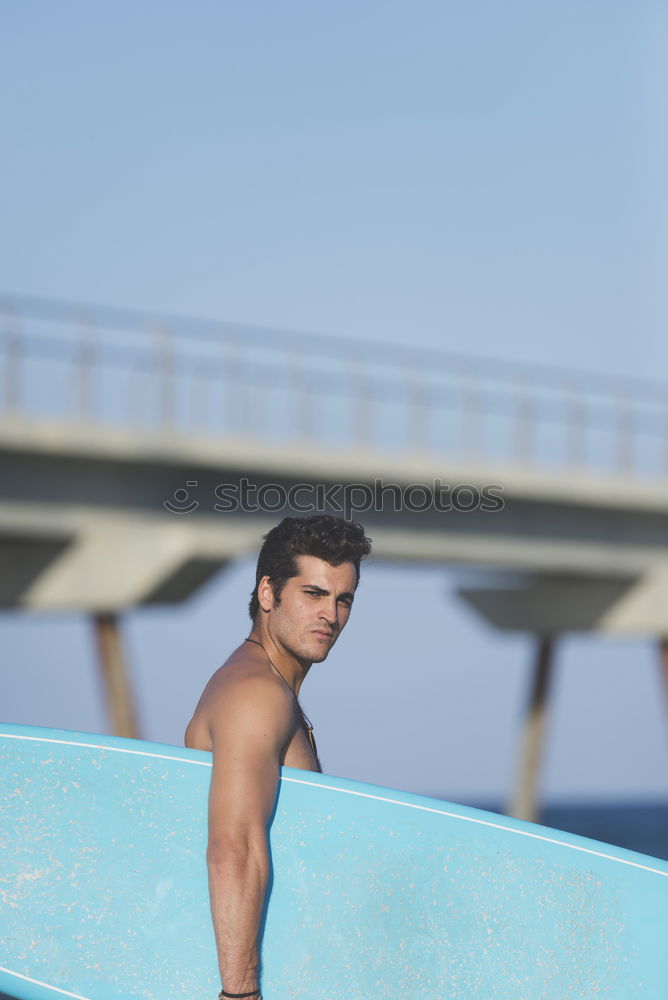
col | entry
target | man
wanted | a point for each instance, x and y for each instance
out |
(249, 716)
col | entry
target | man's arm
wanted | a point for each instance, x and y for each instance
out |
(248, 735)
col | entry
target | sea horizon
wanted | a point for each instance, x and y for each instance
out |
(635, 824)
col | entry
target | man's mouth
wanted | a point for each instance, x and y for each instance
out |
(323, 634)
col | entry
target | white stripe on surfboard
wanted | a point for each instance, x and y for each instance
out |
(38, 982)
(362, 795)
(481, 822)
(103, 746)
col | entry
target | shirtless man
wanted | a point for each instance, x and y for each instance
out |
(250, 718)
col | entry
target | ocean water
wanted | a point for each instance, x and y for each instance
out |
(637, 826)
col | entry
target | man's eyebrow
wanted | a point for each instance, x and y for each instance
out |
(324, 593)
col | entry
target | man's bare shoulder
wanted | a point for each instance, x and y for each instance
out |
(243, 691)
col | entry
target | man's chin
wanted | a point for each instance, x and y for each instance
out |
(320, 652)
(320, 656)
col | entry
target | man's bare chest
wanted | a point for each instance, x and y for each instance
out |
(298, 752)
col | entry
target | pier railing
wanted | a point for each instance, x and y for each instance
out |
(98, 366)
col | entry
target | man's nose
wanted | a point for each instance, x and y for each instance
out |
(330, 613)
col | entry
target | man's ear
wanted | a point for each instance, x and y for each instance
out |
(265, 594)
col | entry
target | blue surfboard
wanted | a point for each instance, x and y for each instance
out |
(375, 894)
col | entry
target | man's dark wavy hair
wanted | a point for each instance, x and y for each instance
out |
(326, 537)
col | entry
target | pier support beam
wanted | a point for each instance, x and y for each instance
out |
(663, 664)
(118, 691)
(549, 605)
(524, 804)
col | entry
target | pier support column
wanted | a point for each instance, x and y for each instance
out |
(663, 664)
(524, 804)
(118, 692)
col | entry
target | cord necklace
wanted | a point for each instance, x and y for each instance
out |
(305, 719)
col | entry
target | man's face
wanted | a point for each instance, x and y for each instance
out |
(313, 609)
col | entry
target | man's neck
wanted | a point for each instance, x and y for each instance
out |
(292, 669)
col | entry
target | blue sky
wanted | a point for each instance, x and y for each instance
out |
(486, 177)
